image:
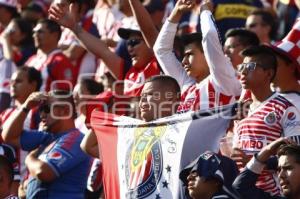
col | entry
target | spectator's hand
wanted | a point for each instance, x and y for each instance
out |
(63, 14)
(23, 189)
(239, 155)
(183, 6)
(35, 99)
(271, 149)
(206, 5)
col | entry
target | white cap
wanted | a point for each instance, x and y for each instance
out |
(10, 3)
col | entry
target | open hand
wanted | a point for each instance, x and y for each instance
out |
(63, 14)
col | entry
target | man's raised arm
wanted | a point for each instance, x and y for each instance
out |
(66, 18)
(13, 128)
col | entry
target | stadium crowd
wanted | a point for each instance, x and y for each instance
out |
(64, 61)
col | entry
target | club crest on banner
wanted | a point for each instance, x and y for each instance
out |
(144, 161)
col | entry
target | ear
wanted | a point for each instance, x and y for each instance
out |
(33, 86)
(270, 74)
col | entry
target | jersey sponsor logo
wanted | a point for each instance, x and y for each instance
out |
(207, 155)
(55, 155)
(232, 11)
(292, 124)
(252, 144)
(144, 153)
(291, 116)
(270, 118)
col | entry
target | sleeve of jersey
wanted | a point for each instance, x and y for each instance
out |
(244, 184)
(291, 123)
(163, 49)
(30, 140)
(221, 70)
(65, 155)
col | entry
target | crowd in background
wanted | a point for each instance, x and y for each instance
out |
(61, 59)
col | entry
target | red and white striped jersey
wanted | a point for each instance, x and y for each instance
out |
(221, 87)
(276, 117)
(135, 78)
(55, 68)
(203, 96)
(293, 97)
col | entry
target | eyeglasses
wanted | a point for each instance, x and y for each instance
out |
(250, 66)
(133, 42)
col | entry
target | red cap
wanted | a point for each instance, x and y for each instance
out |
(290, 45)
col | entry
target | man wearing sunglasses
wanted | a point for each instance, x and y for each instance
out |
(57, 167)
(144, 64)
(270, 115)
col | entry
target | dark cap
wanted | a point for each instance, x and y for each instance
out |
(213, 166)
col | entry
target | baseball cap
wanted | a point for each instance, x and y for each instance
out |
(9, 3)
(289, 47)
(129, 29)
(213, 166)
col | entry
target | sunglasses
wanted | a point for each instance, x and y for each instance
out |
(250, 66)
(133, 42)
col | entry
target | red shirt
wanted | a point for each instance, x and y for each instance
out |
(135, 78)
(55, 68)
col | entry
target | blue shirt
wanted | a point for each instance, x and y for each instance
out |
(63, 154)
(233, 13)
